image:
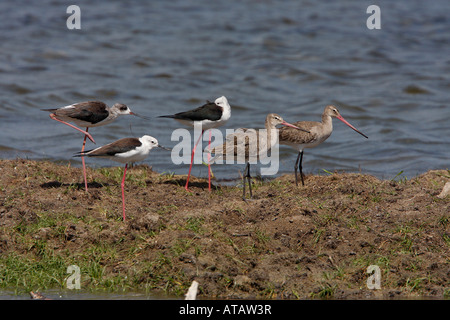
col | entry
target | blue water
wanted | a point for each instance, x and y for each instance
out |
(289, 57)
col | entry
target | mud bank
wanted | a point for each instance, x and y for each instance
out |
(290, 242)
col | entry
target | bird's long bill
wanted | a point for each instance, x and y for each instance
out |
(284, 123)
(346, 122)
(160, 146)
(139, 116)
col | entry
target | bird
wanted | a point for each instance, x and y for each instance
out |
(208, 116)
(250, 144)
(319, 132)
(89, 114)
(124, 150)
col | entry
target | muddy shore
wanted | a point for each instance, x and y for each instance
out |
(312, 241)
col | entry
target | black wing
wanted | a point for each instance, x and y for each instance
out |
(89, 111)
(208, 111)
(117, 147)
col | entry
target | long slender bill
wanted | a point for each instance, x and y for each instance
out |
(284, 123)
(160, 146)
(139, 116)
(346, 122)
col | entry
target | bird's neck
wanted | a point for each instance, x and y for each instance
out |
(113, 114)
(327, 123)
(226, 113)
(271, 132)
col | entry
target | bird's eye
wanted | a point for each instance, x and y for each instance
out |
(123, 108)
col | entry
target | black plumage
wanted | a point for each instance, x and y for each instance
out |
(208, 111)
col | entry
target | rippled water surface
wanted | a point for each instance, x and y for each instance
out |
(288, 57)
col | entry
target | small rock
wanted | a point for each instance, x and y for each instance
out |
(241, 280)
(206, 263)
(43, 233)
(332, 244)
(188, 258)
(445, 191)
(38, 296)
(192, 292)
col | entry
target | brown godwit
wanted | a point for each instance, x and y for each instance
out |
(249, 144)
(318, 133)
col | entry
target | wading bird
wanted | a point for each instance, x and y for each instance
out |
(89, 114)
(124, 151)
(208, 116)
(250, 144)
(318, 133)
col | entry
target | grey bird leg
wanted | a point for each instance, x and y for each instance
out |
(300, 154)
(248, 177)
(296, 168)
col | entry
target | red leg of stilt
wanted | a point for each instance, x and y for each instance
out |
(53, 116)
(192, 160)
(123, 193)
(84, 166)
(209, 165)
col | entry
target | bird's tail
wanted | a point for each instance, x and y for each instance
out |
(214, 155)
(82, 153)
(79, 154)
(166, 116)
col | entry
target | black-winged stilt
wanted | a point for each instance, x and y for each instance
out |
(124, 151)
(89, 114)
(208, 116)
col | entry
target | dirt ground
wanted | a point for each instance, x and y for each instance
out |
(312, 241)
